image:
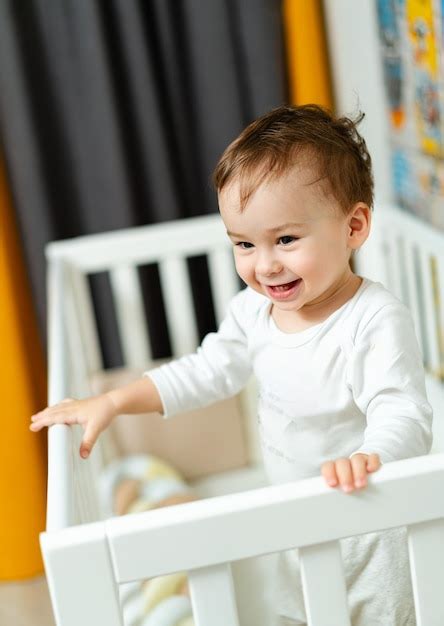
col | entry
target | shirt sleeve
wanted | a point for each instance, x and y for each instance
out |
(386, 376)
(217, 370)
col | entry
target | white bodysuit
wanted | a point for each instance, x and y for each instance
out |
(353, 383)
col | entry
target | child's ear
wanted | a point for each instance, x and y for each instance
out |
(358, 222)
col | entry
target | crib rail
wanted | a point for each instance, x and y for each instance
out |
(204, 537)
(142, 244)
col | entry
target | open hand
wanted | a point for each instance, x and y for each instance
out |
(350, 474)
(93, 414)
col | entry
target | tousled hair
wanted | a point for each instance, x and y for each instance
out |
(303, 136)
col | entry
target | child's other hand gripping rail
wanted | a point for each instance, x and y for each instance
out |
(350, 474)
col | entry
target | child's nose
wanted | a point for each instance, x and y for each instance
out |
(267, 265)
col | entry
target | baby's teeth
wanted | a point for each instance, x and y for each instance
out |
(284, 287)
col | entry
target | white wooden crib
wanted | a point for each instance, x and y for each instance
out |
(87, 557)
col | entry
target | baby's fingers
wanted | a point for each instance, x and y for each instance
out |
(50, 417)
(345, 474)
(373, 462)
(338, 473)
(53, 407)
(328, 471)
(359, 465)
(36, 426)
(89, 439)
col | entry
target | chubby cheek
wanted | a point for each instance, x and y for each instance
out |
(318, 260)
(308, 266)
(245, 269)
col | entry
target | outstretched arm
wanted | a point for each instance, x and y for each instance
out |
(219, 369)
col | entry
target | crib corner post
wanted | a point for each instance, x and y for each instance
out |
(80, 576)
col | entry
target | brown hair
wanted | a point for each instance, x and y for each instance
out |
(277, 141)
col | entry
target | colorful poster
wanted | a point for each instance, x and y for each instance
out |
(412, 47)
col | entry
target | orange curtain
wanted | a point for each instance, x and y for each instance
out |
(307, 59)
(22, 453)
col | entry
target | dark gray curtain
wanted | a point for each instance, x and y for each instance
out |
(113, 113)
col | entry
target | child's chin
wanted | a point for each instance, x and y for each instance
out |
(286, 306)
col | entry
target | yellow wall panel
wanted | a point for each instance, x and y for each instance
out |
(307, 59)
(22, 380)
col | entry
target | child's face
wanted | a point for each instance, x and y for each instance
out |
(291, 242)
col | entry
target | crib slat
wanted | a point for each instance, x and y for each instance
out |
(224, 280)
(80, 578)
(414, 294)
(85, 320)
(439, 305)
(323, 584)
(130, 315)
(79, 386)
(430, 321)
(212, 596)
(402, 248)
(176, 290)
(395, 269)
(384, 251)
(426, 551)
(391, 268)
(410, 281)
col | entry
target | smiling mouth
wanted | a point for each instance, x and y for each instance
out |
(285, 286)
(284, 289)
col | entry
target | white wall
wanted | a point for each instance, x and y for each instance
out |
(352, 34)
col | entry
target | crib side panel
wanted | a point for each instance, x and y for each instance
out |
(80, 577)
(205, 537)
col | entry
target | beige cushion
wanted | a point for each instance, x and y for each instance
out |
(196, 443)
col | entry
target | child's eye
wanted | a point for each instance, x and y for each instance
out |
(244, 245)
(287, 239)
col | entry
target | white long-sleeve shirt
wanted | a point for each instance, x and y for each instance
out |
(353, 383)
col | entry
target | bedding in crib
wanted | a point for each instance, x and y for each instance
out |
(139, 483)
